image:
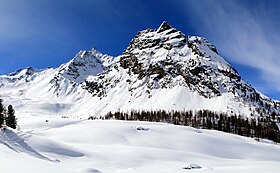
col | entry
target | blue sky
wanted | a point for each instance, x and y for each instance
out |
(48, 33)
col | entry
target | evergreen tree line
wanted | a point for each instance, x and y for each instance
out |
(7, 117)
(261, 127)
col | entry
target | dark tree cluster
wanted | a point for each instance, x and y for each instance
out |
(7, 117)
(261, 127)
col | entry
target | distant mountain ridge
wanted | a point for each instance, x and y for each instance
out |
(160, 69)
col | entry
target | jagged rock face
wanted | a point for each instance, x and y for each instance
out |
(165, 58)
(165, 36)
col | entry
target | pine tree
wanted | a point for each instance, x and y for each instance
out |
(1, 113)
(11, 119)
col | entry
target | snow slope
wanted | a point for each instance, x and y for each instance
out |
(118, 146)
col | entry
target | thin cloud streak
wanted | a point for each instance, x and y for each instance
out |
(20, 21)
(243, 36)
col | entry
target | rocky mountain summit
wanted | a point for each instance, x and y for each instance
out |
(160, 69)
(165, 58)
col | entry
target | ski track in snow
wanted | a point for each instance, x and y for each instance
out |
(17, 143)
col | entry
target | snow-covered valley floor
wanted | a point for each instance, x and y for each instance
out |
(92, 146)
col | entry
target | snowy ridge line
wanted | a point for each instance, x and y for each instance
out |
(160, 69)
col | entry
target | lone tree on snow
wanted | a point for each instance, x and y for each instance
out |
(11, 119)
(1, 113)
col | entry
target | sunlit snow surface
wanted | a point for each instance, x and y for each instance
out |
(93, 146)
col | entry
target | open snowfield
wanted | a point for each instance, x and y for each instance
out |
(104, 146)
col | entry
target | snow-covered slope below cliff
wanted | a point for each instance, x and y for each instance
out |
(132, 147)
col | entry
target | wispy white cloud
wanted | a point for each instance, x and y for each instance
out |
(30, 19)
(12, 20)
(248, 34)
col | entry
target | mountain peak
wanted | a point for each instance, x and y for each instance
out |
(164, 26)
(85, 63)
(165, 36)
(27, 71)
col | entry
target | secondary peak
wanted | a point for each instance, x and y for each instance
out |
(164, 26)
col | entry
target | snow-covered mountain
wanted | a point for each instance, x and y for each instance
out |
(160, 69)
(85, 63)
